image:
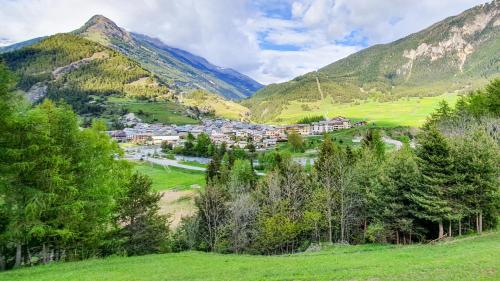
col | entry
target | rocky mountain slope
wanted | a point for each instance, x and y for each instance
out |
(174, 66)
(456, 54)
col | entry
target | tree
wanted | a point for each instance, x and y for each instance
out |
(241, 177)
(213, 168)
(476, 160)
(143, 230)
(296, 141)
(243, 216)
(400, 179)
(189, 148)
(325, 177)
(367, 174)
(61, 184)
(202, 144)
(212, 212)
(436, 167)
(373, 141)
(334, 173)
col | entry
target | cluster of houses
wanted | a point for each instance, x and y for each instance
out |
(233, 133)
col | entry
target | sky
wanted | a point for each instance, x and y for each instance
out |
(269, 40)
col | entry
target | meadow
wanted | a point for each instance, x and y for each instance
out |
(403, 112)
(167, 178)
(151, 112)
(466, 258)
(220, 106)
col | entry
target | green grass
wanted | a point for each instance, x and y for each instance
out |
(193, 163)
(472, 258)
(221, 107)
(403, 112)
(165, 178)
(163, 112)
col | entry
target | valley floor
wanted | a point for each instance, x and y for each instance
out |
(468, 258)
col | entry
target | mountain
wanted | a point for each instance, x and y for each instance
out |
(174, 66)
(459, 53)
(20, 45)
(94, 79)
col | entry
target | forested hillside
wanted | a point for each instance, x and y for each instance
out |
(84, 74)
(459, 53)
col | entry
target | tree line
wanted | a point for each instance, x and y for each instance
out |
(64, 194)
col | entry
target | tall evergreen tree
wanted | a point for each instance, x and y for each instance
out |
(476, 161)
(144, 230)
(395, 205)
(436, 167)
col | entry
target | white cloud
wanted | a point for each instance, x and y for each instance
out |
(227, 32)
(278, 66)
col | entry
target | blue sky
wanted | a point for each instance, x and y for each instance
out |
(271, 41)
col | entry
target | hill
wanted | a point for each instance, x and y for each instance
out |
(216, 105)
(84, 74)
(174, 66)
(457, 54)
(472, 258)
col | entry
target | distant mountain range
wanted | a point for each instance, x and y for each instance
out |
(179, 69)
(459, 53)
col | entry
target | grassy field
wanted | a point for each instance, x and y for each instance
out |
(166, 178)
(221, 107)
(471, 258)
(404, 112)
(163, 112)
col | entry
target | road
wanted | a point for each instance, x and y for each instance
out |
(172, 163)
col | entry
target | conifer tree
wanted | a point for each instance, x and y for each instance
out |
(436, 167)
(144, 230)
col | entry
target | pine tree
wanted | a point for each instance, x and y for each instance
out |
(373, 141)
(476, 158)
(395, 205)
(144, 230)
(435, 165)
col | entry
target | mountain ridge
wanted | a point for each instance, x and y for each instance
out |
(181, 69)
(178, 67)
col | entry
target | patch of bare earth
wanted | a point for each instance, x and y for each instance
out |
(177, 204)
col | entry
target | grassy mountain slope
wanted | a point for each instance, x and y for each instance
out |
(83, 73)
(456, 54)
(471, 258)
(172, 65)
(215, 104)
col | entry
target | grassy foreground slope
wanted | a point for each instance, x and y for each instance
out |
(471, 258)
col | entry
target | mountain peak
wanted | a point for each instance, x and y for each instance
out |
(103, 30)
(99, 19)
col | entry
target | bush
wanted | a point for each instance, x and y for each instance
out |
(376, 233)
